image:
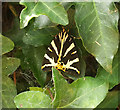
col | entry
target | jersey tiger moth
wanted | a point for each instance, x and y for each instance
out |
(62, 54)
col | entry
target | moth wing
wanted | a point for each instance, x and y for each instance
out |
(70, 56)
(51, 56)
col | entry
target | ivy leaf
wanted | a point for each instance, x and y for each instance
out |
(67, 5)
(7, 44)
(8, 93)
(97, 25)
(9, 65)
(32, 99)
(39, 37)
(15, 33)
(43, 22)
(34, 58)
(54, 10)
(44, 90)
(85, 92)
(113, 78)
(111, 101)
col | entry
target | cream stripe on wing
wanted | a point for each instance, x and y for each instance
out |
(66, 37)
(74, 52)
(51, 60)
(73, 68)
(69, 63)
(47, 65)
(60, 36)
(54, 46)
(49, 49)
(69, 48)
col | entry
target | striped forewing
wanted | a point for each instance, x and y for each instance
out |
(62, 54)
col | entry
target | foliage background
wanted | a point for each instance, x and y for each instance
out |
(28, 29)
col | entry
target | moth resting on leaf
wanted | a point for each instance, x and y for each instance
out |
(62, 54)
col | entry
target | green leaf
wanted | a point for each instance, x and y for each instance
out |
(36, 89)
(34, 58)
(39, 37)
(97, 25)
(0, 93)
(7, 44)
(0, 84)
(8, 93)
(43, 22)
(32, 99)
(19, 54)
(15, 33)
(113, 78)
(85, 92)
(44, 90)
(9, 65)
(53, 10)
(111, 101)
(67, 5)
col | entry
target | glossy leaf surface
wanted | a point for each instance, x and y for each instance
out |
(7, 44)
(97, 25)
(111, 101)
(43, 22)
(40, 37)
(54, 10)
(9, 65)
(113, 78)
(32, 99)
(34, 58)
(15, 33)
(85, 92)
